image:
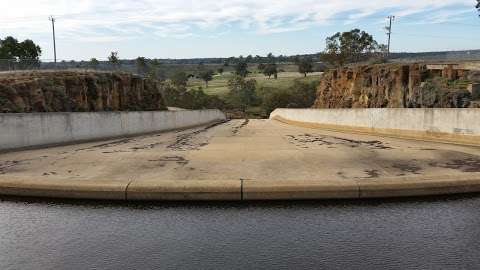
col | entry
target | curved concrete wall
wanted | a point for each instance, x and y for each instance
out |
(37, 129)
(452, 125)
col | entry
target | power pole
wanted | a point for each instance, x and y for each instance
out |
(52, 19)
(389, 33)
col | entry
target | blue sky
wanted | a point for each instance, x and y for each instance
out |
(217, 28)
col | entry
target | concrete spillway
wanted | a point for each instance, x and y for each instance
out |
(243, 160)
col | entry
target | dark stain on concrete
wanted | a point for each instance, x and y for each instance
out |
(148, 146)
(237, 129)
(107, 145)
(176, 159)
(407, 168)
(372, 173)
(184, 142)
(471, 165)
(321, 140)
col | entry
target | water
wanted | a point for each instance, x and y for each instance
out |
(434, 233)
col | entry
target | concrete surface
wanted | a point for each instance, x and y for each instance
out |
(448, 125)
(37, 129)
(243, 160)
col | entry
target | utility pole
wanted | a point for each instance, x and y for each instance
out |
(389, 33)
(52, 19)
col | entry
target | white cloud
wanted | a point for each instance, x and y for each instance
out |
(107, 20)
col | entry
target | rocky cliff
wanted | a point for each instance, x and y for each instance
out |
(77, 91)
(399, 86)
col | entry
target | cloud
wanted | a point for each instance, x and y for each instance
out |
(106, 20)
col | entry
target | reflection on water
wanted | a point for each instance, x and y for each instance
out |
(434, 233)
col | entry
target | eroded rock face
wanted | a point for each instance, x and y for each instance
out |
(77, 91)
(396, 86)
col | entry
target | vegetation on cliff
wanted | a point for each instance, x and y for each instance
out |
(398, 86)
(75, 91)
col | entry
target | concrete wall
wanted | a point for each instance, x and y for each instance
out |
(37, 129)
(454, 125)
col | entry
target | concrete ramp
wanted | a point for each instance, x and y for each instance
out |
(243, 160)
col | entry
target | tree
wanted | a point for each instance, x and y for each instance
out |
(305, 65)
(113, 59)
(28, 50)
(271, 58)
(220, 71)
(9, 48)
(242, 92)
(206, 76)
(142, 66)
(270, 69)
(349, 47)
(179, 79)
(94, 63)
(25, 53)
(241, 68)
(299, 95)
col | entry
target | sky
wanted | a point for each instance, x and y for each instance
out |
(224, 28)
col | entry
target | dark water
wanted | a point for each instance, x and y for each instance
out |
(435, 233)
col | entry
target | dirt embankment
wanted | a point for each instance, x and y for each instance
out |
(400, 86)
(77, 91)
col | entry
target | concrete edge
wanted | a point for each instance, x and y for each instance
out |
(394, 133)
(241, 190)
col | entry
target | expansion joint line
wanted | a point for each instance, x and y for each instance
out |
(241, 189)
(126, 189)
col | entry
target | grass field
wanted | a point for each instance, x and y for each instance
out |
(219, 85)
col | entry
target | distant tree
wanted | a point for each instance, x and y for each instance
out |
(153, 70)
(242, 92)
(269, 70)
(206, 76)
(261, 66)
(241, 68)
(299, 95)
(142, 65)
(271, 58)
(93, 63)
(249, 59)
(349, 47)
(179, 79)
(113, 59)
(478, 5)
(305, 65)
(25, 54)
(29, 50)
(220, 71)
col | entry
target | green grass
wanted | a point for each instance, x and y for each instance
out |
(219, 85)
